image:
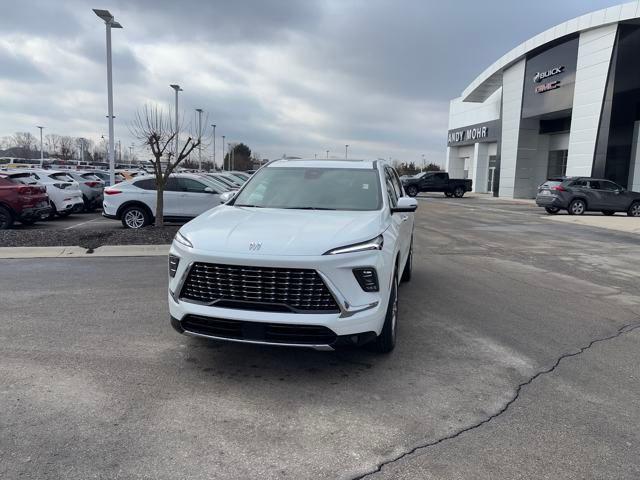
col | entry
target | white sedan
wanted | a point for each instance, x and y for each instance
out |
(186, 196)
(307, 254)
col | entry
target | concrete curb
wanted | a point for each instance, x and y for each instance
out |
(80, 252)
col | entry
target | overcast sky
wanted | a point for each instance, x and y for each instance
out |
(298, 77)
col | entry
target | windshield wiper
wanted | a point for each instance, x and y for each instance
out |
(309, 208)
(246, 205)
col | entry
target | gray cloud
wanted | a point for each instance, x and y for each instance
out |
(295, 77)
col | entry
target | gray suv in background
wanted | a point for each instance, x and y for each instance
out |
(583, 194)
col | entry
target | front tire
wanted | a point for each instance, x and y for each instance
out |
(552, 210)
(135, 217)
(577, 207)
(458, 192)
(386, 341)
(6, 218)
(412, 191)
(634, 210)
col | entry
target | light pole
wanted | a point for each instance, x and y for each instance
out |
(346, 151)
(177, 89)
(199, 110)
(131, 153)
(327, 154)
(214, 146)
(41, 149)
(110, 22)
(423, 163)
(223, 138)
(315, 156)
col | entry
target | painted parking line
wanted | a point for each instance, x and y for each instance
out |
(82, 223)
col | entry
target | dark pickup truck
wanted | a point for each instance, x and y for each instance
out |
(436, 182)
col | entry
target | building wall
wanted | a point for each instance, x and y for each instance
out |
(462, 114)
(594, 57)
(512, 87)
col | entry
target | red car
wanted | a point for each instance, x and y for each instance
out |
(23, 200)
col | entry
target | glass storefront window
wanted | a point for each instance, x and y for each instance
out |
(557, 163)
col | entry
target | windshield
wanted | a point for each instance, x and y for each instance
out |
(312, 189)
(22, 178)
(61, 176)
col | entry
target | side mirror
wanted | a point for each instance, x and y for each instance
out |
(227, 196)
(405, 205)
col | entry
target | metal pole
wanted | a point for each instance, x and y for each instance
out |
(223, 139)
(214, 147)
(177, 126)
(112, 166)
(41, 149)
(346, 149)
(199, 110)
(327, 154)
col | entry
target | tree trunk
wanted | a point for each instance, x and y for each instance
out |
(159, 205)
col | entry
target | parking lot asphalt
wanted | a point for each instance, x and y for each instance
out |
(517, 358)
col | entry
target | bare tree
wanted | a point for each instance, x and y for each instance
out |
(66, 147)
(51, 142)
(153, 128)
(25, 143)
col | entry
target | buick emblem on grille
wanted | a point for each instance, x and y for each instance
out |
(255, 246)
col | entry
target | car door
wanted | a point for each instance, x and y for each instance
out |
(409, 218)
(195, 198)
(173, 201)
(427, 182)
(613, 196)
(404, 221)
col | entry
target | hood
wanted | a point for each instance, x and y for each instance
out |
(230, 230)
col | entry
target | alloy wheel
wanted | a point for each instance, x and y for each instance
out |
(635, 210)
(577, 208)
(134, 219)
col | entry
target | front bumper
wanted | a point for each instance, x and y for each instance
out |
(360, 319)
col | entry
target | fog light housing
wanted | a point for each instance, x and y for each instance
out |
(367, 278)
(173, 265)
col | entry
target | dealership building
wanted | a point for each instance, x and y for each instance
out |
(566, 102)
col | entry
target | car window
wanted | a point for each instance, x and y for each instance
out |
(62, 177)
(394, 184)
(576, 183)
(89, 176)
(192, 186)
(440, 176)
(593, 184)
(146, 184)
(173, 185)
(610, 186)
(391, 191)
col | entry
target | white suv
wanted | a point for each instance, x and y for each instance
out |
(186, 196)
(64, 192)
(307, 254)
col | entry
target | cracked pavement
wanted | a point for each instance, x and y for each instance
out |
(517, 358)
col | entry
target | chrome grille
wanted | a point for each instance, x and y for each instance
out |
(258, 288)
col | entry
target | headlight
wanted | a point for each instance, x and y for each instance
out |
(374, 244)
(181, 239)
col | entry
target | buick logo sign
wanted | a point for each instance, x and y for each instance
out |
(540, 76)
(255, 246)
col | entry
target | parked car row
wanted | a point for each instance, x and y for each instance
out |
(186, 195)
